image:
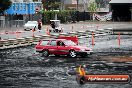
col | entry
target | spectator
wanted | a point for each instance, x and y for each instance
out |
(53, 25)
(39, 24)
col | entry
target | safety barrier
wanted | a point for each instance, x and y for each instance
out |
(72, 33)
(21, 41)
(63, 34)
(36, 38)
(29, 40)
(12, 41)
(4, 43)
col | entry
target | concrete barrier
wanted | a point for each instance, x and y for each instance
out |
(21, 41)
(122, 33)
(29, 40)
(72, 33)
(64, 34)
(36, 38)
(12, 41)
(44, 37)
(55, 35)
(4, 44)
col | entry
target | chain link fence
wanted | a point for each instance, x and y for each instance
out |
(17, 21)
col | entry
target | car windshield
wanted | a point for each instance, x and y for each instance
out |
(69, 43)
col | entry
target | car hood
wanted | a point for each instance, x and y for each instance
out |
(81, 47)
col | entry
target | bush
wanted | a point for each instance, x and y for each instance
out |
(64, 16)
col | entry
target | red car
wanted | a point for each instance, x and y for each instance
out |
(61, 47)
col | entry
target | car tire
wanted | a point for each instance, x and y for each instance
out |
(82, 80)
(45, 53)
(72, 53)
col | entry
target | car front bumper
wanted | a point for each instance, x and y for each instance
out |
(84, 52)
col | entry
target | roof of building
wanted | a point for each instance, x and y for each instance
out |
(120, 1)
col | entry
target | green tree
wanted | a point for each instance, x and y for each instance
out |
(4, 5)
(51, 4)
(92, 8)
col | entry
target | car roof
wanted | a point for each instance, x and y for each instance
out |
(53, 39)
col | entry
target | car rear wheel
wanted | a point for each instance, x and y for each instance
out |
(45, 53)
(72, 53)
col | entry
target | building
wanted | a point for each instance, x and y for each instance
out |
(20, 12)
(24, 7)
(82, 5)
(121, 10)
(79, 5)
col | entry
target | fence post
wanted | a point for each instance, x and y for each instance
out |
(72, 28)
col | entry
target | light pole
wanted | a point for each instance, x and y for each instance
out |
(77, 4)
(131, 12)
(77, 11)
(62, 4)
(84, 6)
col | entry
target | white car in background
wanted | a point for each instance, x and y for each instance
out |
(31, 25)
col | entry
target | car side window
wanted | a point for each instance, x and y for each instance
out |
(60, 43)
(53, 43)
(43, 43)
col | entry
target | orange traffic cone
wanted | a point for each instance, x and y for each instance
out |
(47, 31)
(82, 27)
(93, 38)
(17, 35)
(33, 30)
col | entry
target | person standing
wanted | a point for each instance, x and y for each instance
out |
(39, 24)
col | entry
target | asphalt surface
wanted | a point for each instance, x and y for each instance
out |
(23, 67)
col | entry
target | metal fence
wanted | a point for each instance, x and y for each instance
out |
(11, 21)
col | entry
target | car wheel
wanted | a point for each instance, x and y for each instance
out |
(72, 53)
(45, 53)
(82, 80)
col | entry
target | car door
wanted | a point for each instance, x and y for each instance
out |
(61, 48)
(42, 45)
(53, 47)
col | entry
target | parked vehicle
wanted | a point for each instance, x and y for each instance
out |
(61, 47)
(55, 26)
(31, 25)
